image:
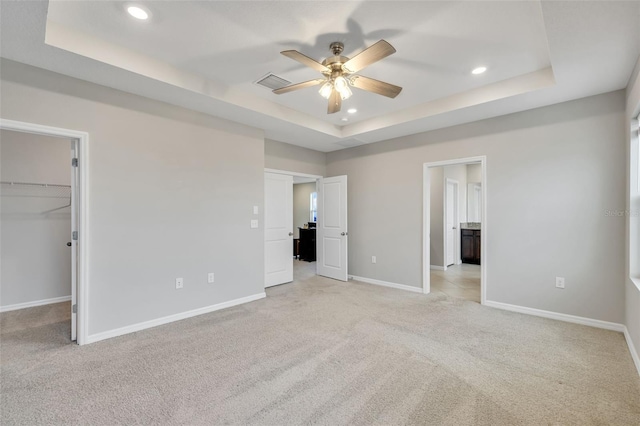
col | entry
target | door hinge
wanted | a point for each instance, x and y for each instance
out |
(74, 235)
(74, 309)
(74, 162)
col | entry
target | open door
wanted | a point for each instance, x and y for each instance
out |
(451, 215)
(332, 228)
(74, 239)
(278, 229)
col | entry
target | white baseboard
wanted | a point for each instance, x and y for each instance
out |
(171, 318)
(437, 268)
(42, 302)
(557, 316)
(387, 284)
(632, 349)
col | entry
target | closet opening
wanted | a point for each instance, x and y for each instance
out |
(40, 229)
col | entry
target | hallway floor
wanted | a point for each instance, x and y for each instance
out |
(461, 281)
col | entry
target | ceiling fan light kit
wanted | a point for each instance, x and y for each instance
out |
(340, 72)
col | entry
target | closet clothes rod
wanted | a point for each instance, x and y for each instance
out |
(43, 185)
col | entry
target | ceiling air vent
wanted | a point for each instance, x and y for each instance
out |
(273, 82)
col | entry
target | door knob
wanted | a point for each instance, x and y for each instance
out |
(69, 244)
(454, 228)
(291, 234)
(344, 233)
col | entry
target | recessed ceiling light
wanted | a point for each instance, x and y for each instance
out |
(479, 70)
(138, 12)
(345, 119)
(352, 110)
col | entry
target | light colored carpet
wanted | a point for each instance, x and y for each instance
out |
(319, 351)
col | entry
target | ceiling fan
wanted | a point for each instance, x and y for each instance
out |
(339, 74)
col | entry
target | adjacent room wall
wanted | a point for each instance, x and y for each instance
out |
(301, 205)
(632, 290)
(436, 210)
(474, 173)
(551, 174)
(36, 262)
(283, 156)
(171, 195)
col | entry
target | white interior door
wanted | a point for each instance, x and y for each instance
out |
(278, 229)
(74, 240)
(451, 227)
(331, 233)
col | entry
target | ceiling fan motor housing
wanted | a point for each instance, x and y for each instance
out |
(334, 63)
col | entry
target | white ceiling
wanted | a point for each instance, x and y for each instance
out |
(206, 56)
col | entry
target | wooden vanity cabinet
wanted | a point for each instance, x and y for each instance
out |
(470, 245)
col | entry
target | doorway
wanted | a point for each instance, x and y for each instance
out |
(455, 228)
(44, 207)
(309, 225)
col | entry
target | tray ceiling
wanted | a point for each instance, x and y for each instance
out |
(207, 55)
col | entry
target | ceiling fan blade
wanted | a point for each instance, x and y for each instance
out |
(298, 86)
(305, 60)
(335, 102)
(375, 86)
(372, 54)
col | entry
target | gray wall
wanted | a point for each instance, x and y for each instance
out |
(171, 195)
(551, 174)
(36, 263)
(474, 173)
(632, 291)
(436, 210)
(283, 156)
(301, 212)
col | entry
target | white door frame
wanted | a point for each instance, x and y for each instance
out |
(286, 172)
(82, 139)
(456, 219)
(426, 222)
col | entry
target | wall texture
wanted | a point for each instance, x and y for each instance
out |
(36, 262)
(551, 174)
(171, 195)
(283, 156)
(301, 197)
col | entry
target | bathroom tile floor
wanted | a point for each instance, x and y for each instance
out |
(462, 281)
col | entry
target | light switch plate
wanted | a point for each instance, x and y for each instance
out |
(179, 283)
(254, 223)
(255, 210)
